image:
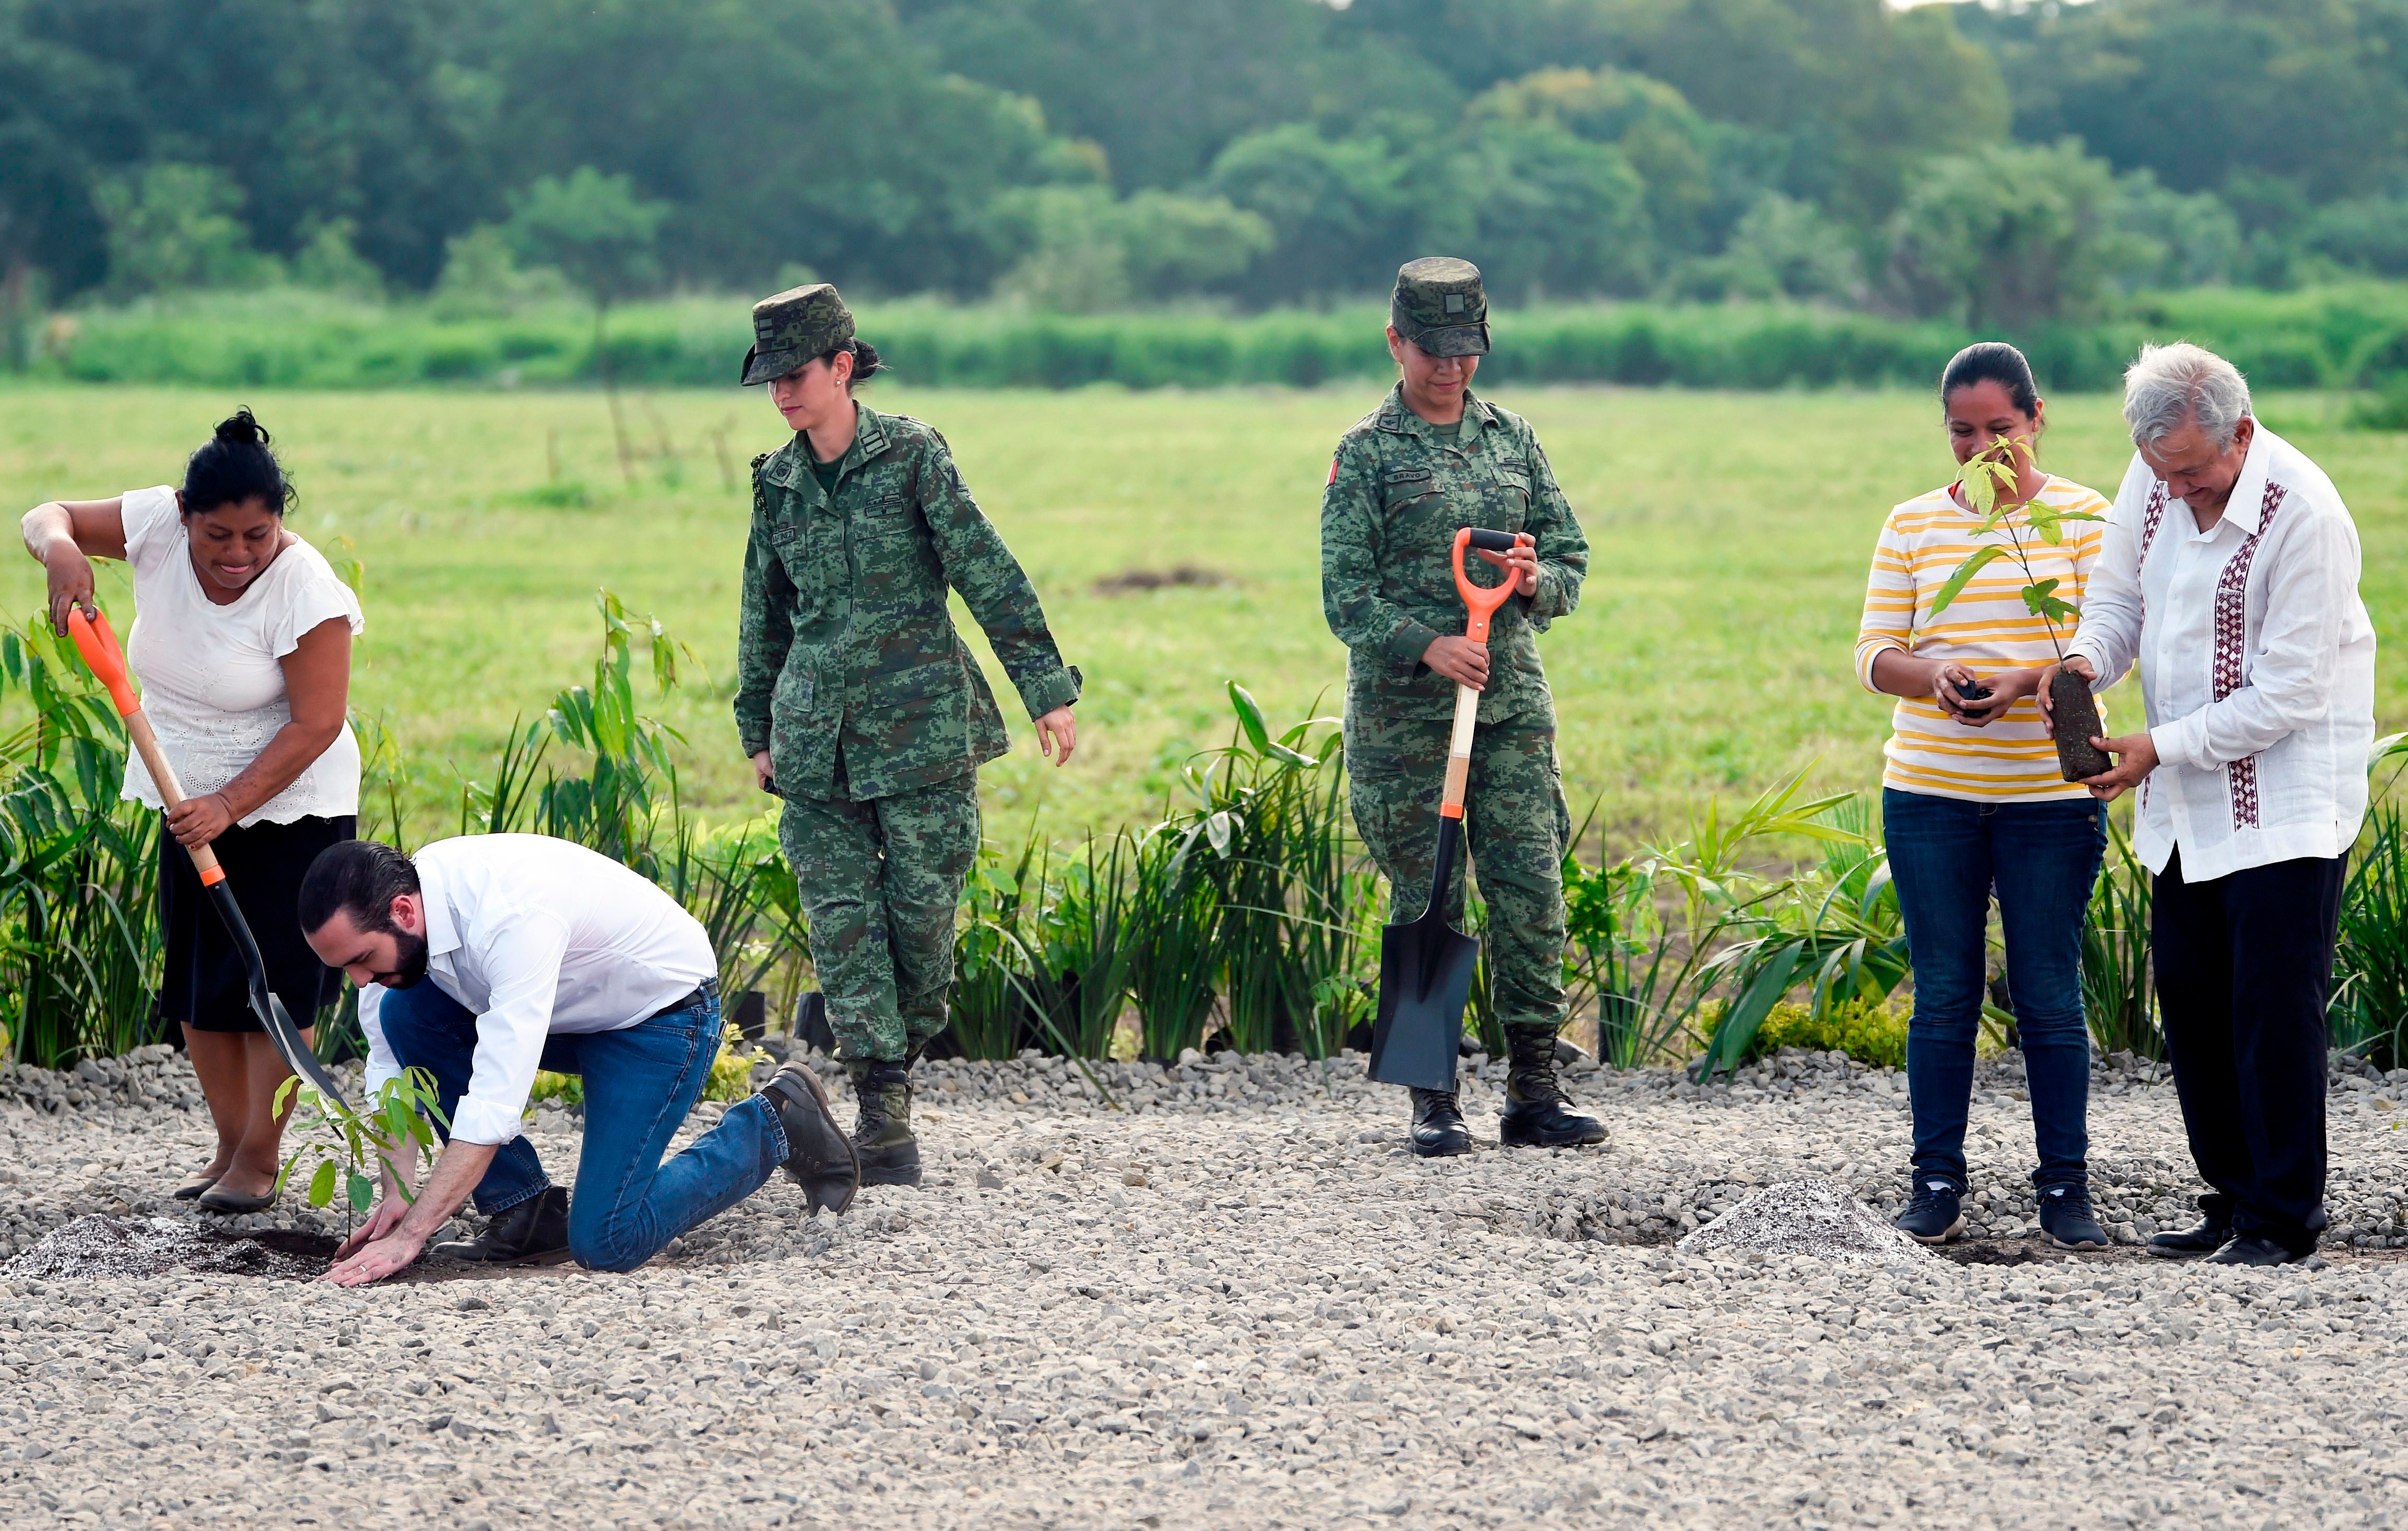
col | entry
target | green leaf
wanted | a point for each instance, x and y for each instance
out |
(363, 1192)
(1250, 718)
(322, 1185)
(284, 1091)
(2044, 519)
(2036, 596)
(2057, 611)
(1982, 559)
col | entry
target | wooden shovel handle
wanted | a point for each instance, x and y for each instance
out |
(98, 645)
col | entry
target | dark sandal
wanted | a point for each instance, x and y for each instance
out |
(227, 1204)
(191, 1189)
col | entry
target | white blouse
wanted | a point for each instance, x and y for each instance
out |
(213, 683)
(2257, 663)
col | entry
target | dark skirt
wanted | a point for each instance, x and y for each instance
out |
(205, 985)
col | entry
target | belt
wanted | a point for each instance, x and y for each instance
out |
(707, 988)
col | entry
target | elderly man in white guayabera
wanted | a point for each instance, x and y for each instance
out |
(2230, 577)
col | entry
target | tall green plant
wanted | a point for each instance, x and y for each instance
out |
(79, 924)
(1287, 877)
(2370, 1005)
(1175, 910)
(2116, 997)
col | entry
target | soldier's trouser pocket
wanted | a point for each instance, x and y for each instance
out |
(881, 883)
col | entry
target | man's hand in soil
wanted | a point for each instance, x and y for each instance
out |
(1460, 660)
(2079, 665)
(381, 1254)
(2136, 756)
(1522, 562)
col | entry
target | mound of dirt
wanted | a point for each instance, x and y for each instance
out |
(114, 1246)
(1813, 1217)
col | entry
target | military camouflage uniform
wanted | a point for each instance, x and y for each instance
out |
(875, 714)
(1397, 492)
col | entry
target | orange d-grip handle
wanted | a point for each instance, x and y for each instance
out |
(98, 645)
(1480, 600)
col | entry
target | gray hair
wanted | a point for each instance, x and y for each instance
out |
(2173, 386)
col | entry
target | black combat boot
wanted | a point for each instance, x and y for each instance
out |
(1537, 1111)
(533, 1233)
(819, 1157)
(1438, 1125)
(881, 1134)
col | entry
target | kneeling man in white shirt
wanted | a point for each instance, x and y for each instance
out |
(485, 958)
(2229, 576)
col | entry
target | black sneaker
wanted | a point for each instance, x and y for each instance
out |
(2066, 1220)
(1932, 1217)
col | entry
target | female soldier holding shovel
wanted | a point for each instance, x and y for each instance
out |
(1430, 460)
(860, 704)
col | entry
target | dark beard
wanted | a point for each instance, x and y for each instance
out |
(409, 959)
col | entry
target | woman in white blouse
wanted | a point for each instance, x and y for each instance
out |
(243, 649)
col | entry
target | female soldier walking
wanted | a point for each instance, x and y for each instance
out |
(860, 704)
(1428, 461)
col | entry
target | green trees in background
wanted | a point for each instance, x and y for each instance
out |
(1085, 154)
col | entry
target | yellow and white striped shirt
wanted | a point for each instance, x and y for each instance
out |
(1987, 629)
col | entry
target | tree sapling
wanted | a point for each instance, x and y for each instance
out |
(350, 1145)
(1987, 483)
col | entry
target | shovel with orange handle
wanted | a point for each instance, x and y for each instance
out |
(1425, 966)
(98, 646)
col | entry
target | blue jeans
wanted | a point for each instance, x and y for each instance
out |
(639, 1083)
(1947, 855)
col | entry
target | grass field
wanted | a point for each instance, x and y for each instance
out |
(1729, 537)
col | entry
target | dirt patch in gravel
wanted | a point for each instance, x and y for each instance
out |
(112, 1246)
(98, 1246)
(1813, 1217)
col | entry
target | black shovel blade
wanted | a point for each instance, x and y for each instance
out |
(1424, 981)
(273, 1018)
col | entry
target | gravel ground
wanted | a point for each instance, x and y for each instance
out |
(1238, 1302)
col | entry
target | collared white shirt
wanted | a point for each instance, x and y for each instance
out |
(538, 936)
(2256, 663)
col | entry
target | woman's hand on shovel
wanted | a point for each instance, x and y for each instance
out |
(198, 820)
(1522, 564)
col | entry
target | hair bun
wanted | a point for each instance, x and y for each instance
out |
(242, 430)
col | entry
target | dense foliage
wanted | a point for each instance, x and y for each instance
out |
(1088, 154)
(2344, 337)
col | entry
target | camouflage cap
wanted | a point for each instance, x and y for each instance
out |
(789, 328)
(1438, 306)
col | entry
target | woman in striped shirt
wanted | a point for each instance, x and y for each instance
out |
(1972, 802)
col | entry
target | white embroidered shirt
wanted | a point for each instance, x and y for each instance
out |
(2257, 663)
